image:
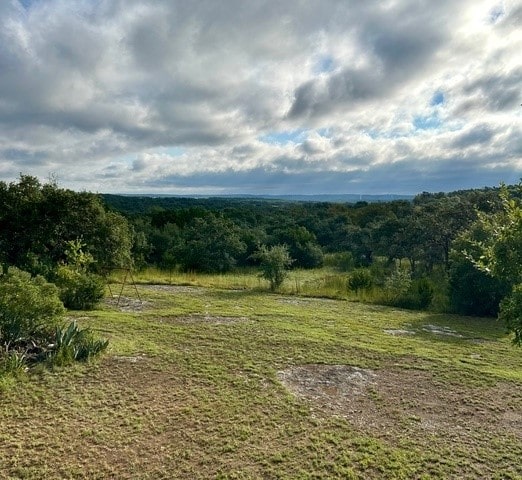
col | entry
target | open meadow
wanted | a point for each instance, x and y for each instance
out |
(203, 383)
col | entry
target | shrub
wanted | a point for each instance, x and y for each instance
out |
(13, 363)
(274, 263)
(31, 319)
(472, 291)
(423, 292)
(418, 297)
(360, 279)
(397, 285)
(511, 313)
(30, 309)
(79, 290)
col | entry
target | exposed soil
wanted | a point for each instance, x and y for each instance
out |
(396, 403)
(126, 304)
(175, 289)
(304, 301)
(399, 332)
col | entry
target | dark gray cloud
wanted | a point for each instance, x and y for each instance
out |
(397, 178)
(497, 91)
(478, 135)
(399, 44)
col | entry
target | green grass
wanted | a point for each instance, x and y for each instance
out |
(191, 388)
(325, 282)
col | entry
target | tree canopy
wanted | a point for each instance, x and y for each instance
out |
(499, 253)
(38, 220)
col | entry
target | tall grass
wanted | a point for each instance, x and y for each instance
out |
(326, 282)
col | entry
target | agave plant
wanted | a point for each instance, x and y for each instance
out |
(75, 344)
(13, 363)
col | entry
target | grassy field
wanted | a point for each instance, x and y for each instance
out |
(204, 383)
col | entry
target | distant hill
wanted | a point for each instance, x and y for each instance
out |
(339, 198)
(144, 202)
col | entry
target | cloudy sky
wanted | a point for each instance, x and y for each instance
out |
(261, 96)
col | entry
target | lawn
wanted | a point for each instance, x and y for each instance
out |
(204, 383)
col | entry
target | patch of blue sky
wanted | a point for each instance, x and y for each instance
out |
(437, 99)
(426, 122)
(390, 134)
(284, 137)
(324, 64)
(174, 151)
(27, 3)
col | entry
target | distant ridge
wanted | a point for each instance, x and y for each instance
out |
(340, 198)
(139, 203)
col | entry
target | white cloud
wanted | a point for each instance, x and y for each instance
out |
(166, 95)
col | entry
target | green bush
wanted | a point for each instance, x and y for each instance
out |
(397, 285)
(30, 310)
(31, 326)
(511, 313)
(360, 279)
(12, 363)
(423, 292)
(79, 290)
(472, 291)
(274, 262)
(418, 297)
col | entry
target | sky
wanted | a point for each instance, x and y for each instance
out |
(261, 96)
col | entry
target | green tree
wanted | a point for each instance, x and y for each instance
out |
(302, 246)
(360, 279)
(500, 255)
(274, 262)
(473, 291)
(37, 221)
(210, 244)
(441, 221)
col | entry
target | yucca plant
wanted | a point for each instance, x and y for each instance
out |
(13, 363)
(75, 344)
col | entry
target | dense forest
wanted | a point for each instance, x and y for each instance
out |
(447, 242)
(422, 240)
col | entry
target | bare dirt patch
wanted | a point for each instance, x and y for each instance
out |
(131, 359)
(399, 332)
(175, 289)
(127, 304)
(437, 330)
(304, 301)
(410, 403)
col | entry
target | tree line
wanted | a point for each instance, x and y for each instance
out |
(71, 238)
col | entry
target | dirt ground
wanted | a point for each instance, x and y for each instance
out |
(395, 402)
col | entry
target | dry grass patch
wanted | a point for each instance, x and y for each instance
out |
(396, 403)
